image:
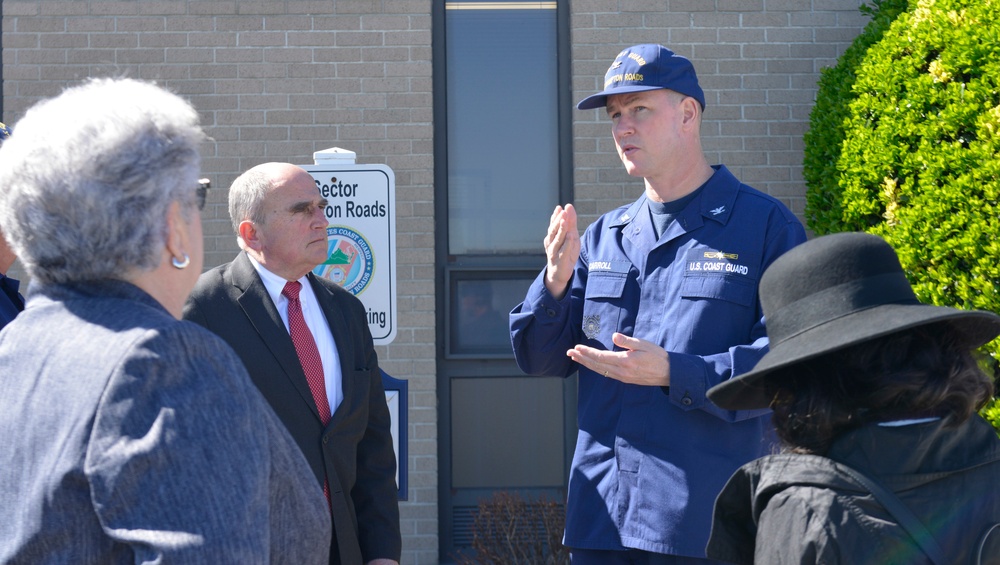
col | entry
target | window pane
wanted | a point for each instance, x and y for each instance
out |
(479, 315)
(507, 432)
(502, 128)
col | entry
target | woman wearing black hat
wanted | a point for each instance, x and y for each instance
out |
(874, 397)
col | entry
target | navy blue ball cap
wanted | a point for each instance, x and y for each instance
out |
(647, 67)
(4, 132)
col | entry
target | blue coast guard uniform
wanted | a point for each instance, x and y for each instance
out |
(11, 301)
(650, 461)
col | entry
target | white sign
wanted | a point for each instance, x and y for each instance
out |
(361, 216)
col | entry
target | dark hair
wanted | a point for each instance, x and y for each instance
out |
(923, 372)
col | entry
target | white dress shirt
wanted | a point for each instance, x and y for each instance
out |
(318, 326)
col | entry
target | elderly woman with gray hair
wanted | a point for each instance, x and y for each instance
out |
(128, 435)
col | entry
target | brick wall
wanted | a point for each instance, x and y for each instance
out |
(278, 80)
(758, 62)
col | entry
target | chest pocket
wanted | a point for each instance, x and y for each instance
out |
(602, 309)
(606, 279)
(718, 275)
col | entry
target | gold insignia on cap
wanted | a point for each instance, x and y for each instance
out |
(637, 58)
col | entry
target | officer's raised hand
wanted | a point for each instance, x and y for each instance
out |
(562, 249)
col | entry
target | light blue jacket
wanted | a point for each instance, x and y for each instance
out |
(127, 436)
(649, 461)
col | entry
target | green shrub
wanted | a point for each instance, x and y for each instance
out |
(910, 149)
(992, 414)
(823, 141)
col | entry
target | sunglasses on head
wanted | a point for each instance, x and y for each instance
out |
(202, 192)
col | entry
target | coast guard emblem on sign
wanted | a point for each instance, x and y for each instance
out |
(350, 262)
(591, 326)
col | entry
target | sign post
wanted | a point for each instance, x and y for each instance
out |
(361, 230)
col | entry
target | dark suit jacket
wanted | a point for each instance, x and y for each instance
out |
(354, 451)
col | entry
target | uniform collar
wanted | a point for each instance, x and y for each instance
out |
(715, 202)
(719, 197)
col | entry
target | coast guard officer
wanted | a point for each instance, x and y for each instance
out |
(652, 307)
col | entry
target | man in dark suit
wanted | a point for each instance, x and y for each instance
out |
(306, 344)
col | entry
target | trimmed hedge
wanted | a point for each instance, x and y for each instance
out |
(905, 143)
(992, 415)
(823, 140)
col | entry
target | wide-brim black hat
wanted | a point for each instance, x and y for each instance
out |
(833, 292)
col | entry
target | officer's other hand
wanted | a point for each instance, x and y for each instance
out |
(640, 362)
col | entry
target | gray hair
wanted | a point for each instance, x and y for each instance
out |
(89, 177)
(246, 197)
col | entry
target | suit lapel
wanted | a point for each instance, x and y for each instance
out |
(263, 316)
(334, 308)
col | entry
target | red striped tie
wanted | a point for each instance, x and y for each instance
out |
(309, 357)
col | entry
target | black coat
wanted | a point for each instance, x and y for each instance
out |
(353, 452)
(804, 509)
